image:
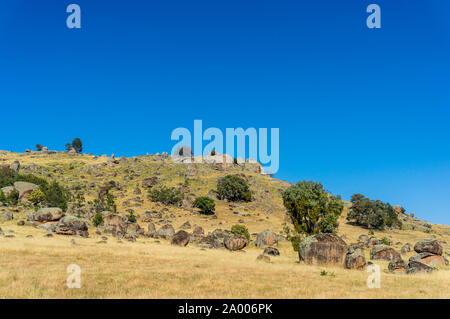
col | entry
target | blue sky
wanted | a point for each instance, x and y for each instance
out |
(360, 110)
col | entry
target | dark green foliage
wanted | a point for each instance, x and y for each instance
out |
(13, 198)
(240, 230)
(311, 208)
(132, 218)
(2, 197)
(213, 152)
(372, 213)
(110, 203)
(105, 202)
(165, 195)
(234, 189)
(39, 147)
(7, 177)
(235, 161)
(205, 204)
(77, 145)
(385, 241)
(98, 219)
(292, 237)
(56, 196)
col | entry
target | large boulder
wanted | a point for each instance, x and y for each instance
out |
(363, 238)
(397, 266)
(428, 245)
(384, 252)
(430, 259)
(235, 242)
(24, 188)
(416, 266)
(71, 225)
(215, 239)
(151, 230)
(322, 249)
(114, 224)
(266, 238)
(134, 229)
(355, 259)
(166, 232)
(15, 166)
(181, 238)
(271, 251)
(50, 214)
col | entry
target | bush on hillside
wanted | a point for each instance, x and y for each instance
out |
(234, 189)
(311, 208)
(240, 230)
(165, 195)
(98, 219)
(205, 204)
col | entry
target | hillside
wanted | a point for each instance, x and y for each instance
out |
(33, 264)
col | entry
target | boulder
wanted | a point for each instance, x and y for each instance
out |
(50, 214)
(24, 188)
(114, 224)
(430, 259)
(186, 225)
(15, 166)
(235, 242)
(71, 225)
(266, 238)
(397, 266)
(166, 232)
(264, 258)
(271, 251)
(428, 245)
(181, 238)
(355, 259)
(8, 215)
(416, 266)
(384, 252)
(322, 249)
(372, 241)
(363, 238)
(134, 229)
(151, 230)
(406, 248)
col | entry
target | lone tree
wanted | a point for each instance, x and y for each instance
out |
(39, 147)
(311, 208)
(77, 145)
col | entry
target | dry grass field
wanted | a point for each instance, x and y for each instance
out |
(35, 267)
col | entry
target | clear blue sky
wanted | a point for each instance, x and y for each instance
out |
(359, 110)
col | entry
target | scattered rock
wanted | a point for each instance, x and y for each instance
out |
(264, 258)
(415, 267)
(165, 231)
(71, 225)
(235, 242)
(397, 266)
(406, 248)
(44, 215)
(430, 259)
(322, 249)
(384, 252)
(271, 251)
(181, 238)
(266, 238)
(428, 245)
(355, 258)
(186, 225)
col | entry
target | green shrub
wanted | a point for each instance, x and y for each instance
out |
(371, 233)
(7, 176)
(132, 218)
(2, 197)
(13, 198)
(98, 219)
(213, 153)
(167, 196)
(36, 197)
(77, 145)
(311, 208)
(234, 189)
(205, 204)
(240, 230)
(57, 196)
(385, 241)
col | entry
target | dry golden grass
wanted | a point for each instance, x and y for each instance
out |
(36, 267)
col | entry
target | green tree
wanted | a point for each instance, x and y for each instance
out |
(205, 204)
(311, 208)
(234, 189)
(77, 145)
(372, 213)
(39, 147)
(36, 197)
(98, 219)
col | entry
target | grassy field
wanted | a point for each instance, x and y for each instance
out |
(35, 267)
